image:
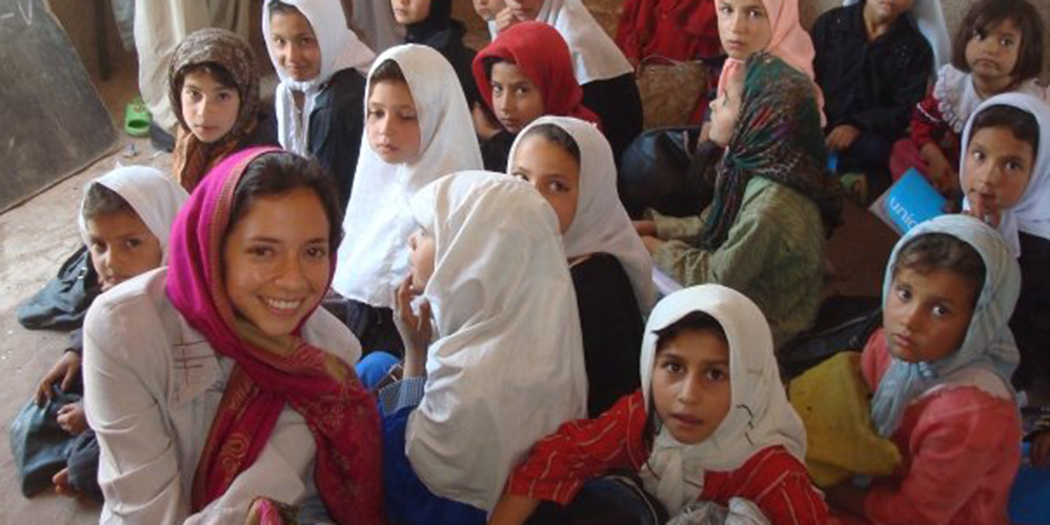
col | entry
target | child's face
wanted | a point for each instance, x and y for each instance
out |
(421, 257)
(554, 172)
(295, 45)
(743, 27)
(927, 314)
(515, 99)
(488, 9)
(887, 11)
(209, 108)
(276, 260)
(993, 55)
(997, 168)
(725, 110)
(691, 386)
(122, 246)
(393, 125)
(525, 9)
(410, 11)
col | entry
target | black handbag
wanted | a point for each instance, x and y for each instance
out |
(661, 170)
(63, 302)
(40, 446)
(843, 323)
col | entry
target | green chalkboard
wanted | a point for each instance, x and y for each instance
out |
(52, 122)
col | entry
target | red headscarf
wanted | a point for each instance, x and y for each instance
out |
(270, 371)
(542, 54)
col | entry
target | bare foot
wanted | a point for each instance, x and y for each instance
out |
(61, 481)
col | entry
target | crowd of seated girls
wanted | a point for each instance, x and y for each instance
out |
(492, 347)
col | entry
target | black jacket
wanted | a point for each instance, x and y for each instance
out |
(336, 127)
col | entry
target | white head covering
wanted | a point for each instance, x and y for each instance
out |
(929, 17)
(373, 257)
(507, 367)
(1032, 213)
(957, 98)
(594, 55)
(154, 196)
(601, 224)
(375, 19)
(340, 49)
(760, 415)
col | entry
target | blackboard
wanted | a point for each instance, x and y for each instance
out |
(52, 122)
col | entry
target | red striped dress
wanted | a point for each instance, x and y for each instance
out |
(558, 466)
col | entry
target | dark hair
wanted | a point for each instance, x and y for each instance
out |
(1022, 123)
(100, 200)
(696, 321)
(279, 173)
(388, 71)
(985, 15)
(489, 62)
(559, 137)
(279, 7)
(217, 72)
(936, 251)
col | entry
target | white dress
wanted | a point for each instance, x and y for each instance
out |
(152, 386)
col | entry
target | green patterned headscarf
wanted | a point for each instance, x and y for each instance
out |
(777, 136)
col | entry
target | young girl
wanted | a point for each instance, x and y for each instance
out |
(124, 220)
(418, 129)
(216, 387)
(1005, 178)
(570, 163)
(998, 48)
(430, 23)
(214, 90)
(494, 381)
(605, 74)
(711, 423)
(320, 62)
(773, 205)
(522, 75)
(940, 369)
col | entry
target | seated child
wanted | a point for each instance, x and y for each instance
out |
(940, 368)
(998, 49)
(214, 90)
(430, 23)
(218, 390)
(320, 99)
(418, 129)
(494, 382)
(525, 73)
(570, 163)
(124, 221)
(601, 69)
(711, 423)
(872, 63)
(1005, 177)
(773, 204)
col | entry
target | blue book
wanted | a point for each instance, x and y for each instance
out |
(910, 201)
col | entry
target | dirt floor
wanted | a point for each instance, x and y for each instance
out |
(38, 235)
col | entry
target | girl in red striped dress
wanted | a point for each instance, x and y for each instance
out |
(710, 430)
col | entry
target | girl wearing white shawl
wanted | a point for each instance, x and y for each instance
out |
(1019, 209)
(319, 116)
(506, 366)
(373, 257)
(750, 460)
(119, 213)
(611, 269)
(601, 68)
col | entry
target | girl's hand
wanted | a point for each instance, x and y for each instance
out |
(985, 211)
(842, 137)
(942, 175)
(645, 228)
(652, 243)
(72, 419)
(1040, 451)
(416, 330)
(65, 370)
(483, 125)
(504, 19)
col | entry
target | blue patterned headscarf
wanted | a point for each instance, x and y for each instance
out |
(989, 344)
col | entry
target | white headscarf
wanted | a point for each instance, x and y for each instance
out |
(1032, 213)
(601, 224)
(760, 415)
(594, 55)
(373, 257)
(929, 17)
(154, 196)
(375, 19)
(507, 367)
(340, 49)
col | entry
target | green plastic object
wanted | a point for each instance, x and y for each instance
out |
(137, 118)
